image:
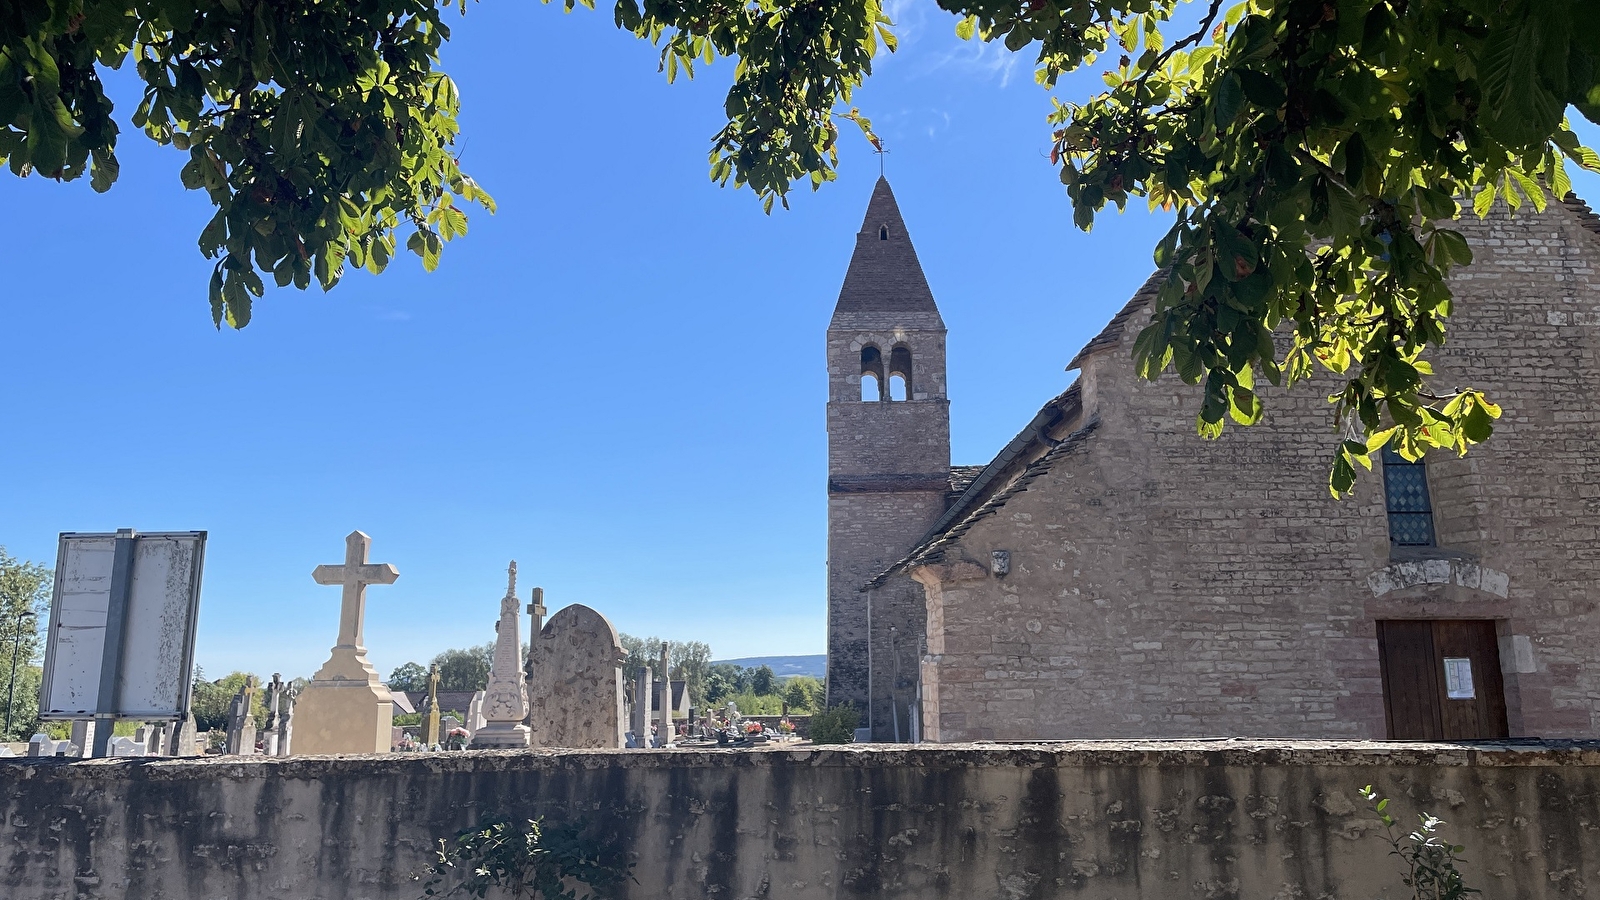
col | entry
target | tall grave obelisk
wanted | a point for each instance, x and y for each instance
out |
(505, 701)
(346, 708)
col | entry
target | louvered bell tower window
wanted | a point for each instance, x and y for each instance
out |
(1405, 484)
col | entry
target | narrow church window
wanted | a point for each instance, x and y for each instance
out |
(900, 367)
(1405, 485)
(883, 232)
(871, 373)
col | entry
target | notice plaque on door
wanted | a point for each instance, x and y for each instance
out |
(1458, 678)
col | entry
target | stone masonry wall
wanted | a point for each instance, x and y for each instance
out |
(1162, 585)
(1208, 821)
(888, 469)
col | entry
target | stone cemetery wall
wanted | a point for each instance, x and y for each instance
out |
(1101, 821)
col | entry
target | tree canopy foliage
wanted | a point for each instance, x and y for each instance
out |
(211, 702)
(688, 660)
(409, 677)
(320, 129)
(24, 588)
(1312, 152)
(464, 669)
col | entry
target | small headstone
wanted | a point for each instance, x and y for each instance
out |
(126, 746)
(185, 738)
(82, 736)
(41, 745)
(475, 719)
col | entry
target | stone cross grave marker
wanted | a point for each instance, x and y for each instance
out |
(241, 722)
(347, 708)
(354, 576)
(431, 734)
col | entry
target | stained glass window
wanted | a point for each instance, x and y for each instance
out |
(1405, 483)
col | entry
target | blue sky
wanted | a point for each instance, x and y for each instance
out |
(617, 381)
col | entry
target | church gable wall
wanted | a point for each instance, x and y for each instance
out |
(1164, 586)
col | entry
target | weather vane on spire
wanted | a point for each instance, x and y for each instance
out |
(878, 148)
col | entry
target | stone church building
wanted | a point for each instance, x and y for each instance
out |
(1111, 575)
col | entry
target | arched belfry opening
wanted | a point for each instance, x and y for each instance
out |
(871, 373)
(883, 232)
(900, 373)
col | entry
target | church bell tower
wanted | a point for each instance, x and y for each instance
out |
(888, 466)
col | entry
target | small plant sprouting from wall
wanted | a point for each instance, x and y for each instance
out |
(1429, 862)
(525, 859)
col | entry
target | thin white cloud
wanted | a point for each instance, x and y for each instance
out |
(985, 60)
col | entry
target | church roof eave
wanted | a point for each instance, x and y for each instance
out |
(982, 498)
(991, 487)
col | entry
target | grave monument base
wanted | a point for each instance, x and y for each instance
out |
(345, 708)
(500, 736)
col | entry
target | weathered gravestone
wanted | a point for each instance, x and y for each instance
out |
(242, 721)
(346, 708)
(641, 707)
(575, 682)
(185, 738)
(475, 719)
(286, 723)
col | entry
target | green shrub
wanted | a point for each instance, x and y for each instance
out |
(835, 725)
(525, 859)
(1428, 862)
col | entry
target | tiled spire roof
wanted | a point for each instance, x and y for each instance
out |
(884, 274)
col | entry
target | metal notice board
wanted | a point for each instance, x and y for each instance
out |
(122, 624)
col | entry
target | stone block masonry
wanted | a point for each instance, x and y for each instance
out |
(1209, 820)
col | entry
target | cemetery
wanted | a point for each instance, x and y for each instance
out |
(721, 804)
(1258, 560)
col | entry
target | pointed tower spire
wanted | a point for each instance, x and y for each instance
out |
(888, 462)
(885, 274)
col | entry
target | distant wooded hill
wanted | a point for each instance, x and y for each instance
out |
(784, 666)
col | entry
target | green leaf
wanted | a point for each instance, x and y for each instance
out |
(967, 27)
(1483, 201)
(1230, 97)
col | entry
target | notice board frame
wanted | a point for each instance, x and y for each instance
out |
(112, 592)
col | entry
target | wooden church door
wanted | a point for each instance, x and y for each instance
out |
(1441, 679)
